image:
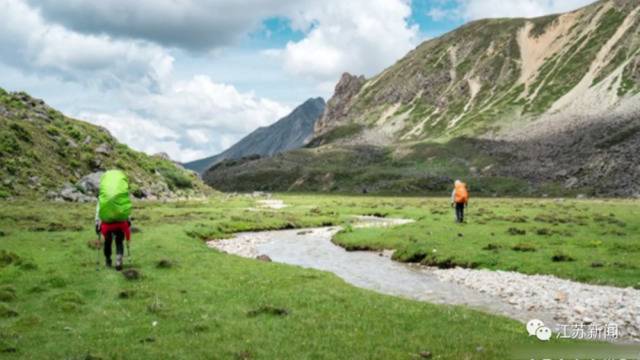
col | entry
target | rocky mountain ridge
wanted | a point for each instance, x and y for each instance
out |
(538, 106)
(481, 79)
(291, 132)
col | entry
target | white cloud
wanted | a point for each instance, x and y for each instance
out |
(148, 108)
(30, 43)
(480, 9)
(198, 136)
(188, 119)
(121, 52)
(202, 102)
(437, 14)
(194, 25)
(357, 36)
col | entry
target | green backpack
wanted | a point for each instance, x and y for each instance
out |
(115, 205)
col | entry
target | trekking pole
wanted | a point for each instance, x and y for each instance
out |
(128, 253)
(98, 253)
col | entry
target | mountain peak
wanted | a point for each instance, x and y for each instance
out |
(550, 100)
(291, 132)
(486, 75)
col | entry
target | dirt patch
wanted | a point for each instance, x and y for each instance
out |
(200, 328)
(94, 244)
(148, 340)
(165, 264)
(132, 274)
(56, 227)
(377, 215)
(536, 49)
(492, 247)
(8, 258)
(524, 247)
(562, 257)
(7, 293)
(7, 312)
(268, 310)
(576, 99)
(516, 231)
(126, 294)
(271, 204)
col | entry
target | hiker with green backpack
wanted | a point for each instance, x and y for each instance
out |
(113, 213)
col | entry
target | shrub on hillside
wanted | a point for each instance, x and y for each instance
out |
(175, 178)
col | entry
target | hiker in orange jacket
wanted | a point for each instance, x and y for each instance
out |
(460, 199)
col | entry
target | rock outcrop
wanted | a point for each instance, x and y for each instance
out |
(338, 108)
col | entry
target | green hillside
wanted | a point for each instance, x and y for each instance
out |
(41, 150)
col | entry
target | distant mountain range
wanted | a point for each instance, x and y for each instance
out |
(288, 133)
(515, 106)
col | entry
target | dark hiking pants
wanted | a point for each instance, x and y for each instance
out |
(119, 236)
(460, 212)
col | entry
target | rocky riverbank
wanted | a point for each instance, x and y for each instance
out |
(565, 303)
(570, 303)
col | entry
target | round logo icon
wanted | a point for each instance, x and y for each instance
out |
(543, 333)
(533, 325)
(536, 328)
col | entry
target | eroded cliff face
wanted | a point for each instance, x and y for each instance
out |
(339, 107)
(544, 103)
(488, 75)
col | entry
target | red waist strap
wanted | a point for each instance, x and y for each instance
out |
(118, 226)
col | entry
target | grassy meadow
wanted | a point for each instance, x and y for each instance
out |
(193, 302)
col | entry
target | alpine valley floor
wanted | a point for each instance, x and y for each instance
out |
(189, 301)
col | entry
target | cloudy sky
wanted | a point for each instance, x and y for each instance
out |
(191, 77)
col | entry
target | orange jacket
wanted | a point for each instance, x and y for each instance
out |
(460, 194)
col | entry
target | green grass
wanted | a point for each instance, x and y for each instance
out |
(599, 238)
(541, 24)
(419, 168)
(628, 84)
(338, 133)
(40, 142)
(204, 304)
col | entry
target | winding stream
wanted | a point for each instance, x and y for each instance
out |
(518, 296)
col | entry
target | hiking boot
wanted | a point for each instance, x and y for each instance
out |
(108, 262)
(119, 262)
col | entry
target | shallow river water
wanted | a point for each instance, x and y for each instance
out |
(554, 301)
(376, 271)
